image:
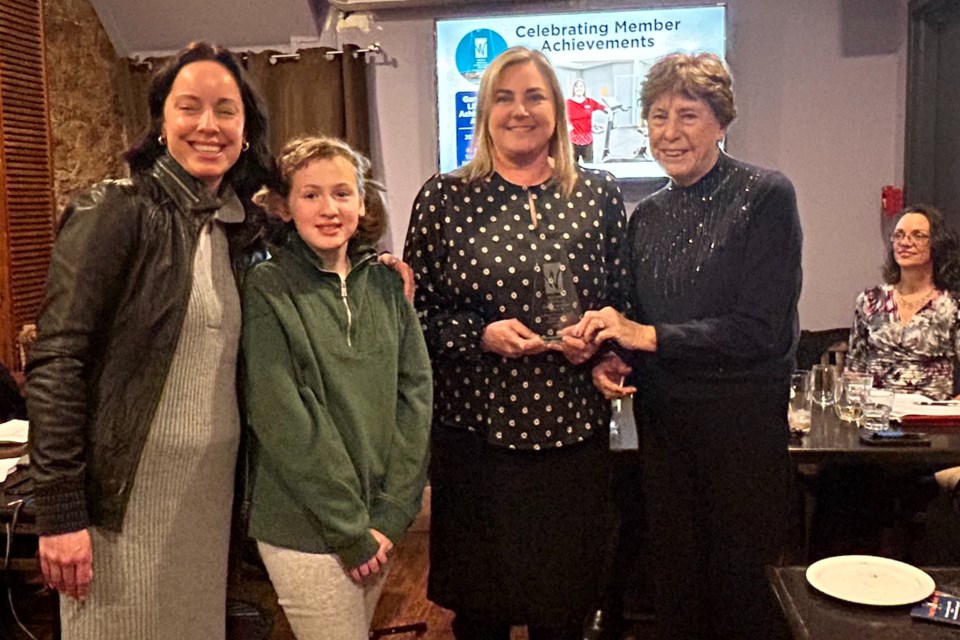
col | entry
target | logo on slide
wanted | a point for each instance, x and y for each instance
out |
(476, 50)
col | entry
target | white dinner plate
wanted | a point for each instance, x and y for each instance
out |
(870, 580)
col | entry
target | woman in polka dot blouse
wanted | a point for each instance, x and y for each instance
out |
(521, 511)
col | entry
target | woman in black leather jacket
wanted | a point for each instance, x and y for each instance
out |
(131, 383)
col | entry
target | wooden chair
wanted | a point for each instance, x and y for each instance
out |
(835, 354)
(28, 333)
(827, 347)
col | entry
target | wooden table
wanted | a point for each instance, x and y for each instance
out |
(834, 443)
(832, 440)
(815, 616)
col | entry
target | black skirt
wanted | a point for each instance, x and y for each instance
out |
(519, 537)
(717, 478)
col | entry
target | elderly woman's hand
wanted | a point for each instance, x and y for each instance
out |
(610, 324)
(511, 339)
(608, 377)
(575, 350)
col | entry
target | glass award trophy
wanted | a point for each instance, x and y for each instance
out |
(555, 303)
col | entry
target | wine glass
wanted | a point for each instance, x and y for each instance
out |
(851, 391)
(823, 384)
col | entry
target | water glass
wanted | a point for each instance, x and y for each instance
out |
(876, 409)
(798, 411)
(823, 383)
(852, 389)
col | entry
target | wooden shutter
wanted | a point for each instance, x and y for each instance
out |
(26, 171)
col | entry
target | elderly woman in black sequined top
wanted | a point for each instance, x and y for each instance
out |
(715, 277)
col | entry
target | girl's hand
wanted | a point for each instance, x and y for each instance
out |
(364, 570)
(376, 563)
(385, 545)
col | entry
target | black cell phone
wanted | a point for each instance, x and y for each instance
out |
(895, 438)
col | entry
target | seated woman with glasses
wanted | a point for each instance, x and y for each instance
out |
(906, 334)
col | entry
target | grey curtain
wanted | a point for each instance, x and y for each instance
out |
(314, 95)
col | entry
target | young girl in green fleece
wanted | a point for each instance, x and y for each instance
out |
(338, 395)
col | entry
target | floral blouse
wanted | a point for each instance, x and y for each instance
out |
(917, 357)
(478, 259)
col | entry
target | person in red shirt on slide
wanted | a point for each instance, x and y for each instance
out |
(580, 110)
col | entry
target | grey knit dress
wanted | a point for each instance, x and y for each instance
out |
(164, 576)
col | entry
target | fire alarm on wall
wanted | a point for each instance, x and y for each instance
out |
(891, 200)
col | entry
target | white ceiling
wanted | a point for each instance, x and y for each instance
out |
(150, 27)
(143, 27)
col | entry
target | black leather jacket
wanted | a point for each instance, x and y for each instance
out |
(117, 292)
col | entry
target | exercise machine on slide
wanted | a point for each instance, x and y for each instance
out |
(640, 152)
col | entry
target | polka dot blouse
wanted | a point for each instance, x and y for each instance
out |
(478, 258)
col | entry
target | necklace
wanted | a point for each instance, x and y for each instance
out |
(909, 304)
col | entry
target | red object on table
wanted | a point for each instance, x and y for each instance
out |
(931, 421)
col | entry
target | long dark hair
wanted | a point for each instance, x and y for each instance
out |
(254, 167)
(944, 250)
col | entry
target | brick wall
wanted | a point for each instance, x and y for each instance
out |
(85, 119)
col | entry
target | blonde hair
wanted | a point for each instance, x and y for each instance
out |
(481, 166)
(298, 153)
(702, 75)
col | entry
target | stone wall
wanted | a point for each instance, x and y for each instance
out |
(85, 120)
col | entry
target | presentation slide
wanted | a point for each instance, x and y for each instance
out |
(600, 57)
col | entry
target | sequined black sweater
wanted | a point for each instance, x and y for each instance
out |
(715, 268)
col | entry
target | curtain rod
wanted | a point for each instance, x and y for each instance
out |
(137, 61)
(329, 55)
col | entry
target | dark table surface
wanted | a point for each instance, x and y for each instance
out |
(815, 616)
(831, 440)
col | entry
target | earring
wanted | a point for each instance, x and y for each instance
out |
(162, 140)
(246, 145)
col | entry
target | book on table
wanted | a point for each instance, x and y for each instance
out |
(915, 409)
(13, 445)
(939, 607)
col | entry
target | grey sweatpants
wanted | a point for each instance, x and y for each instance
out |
(320, 600)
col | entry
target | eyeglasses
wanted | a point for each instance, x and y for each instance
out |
(918, 238)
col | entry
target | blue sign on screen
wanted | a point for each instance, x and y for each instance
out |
(475, 52)
(466, 103)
